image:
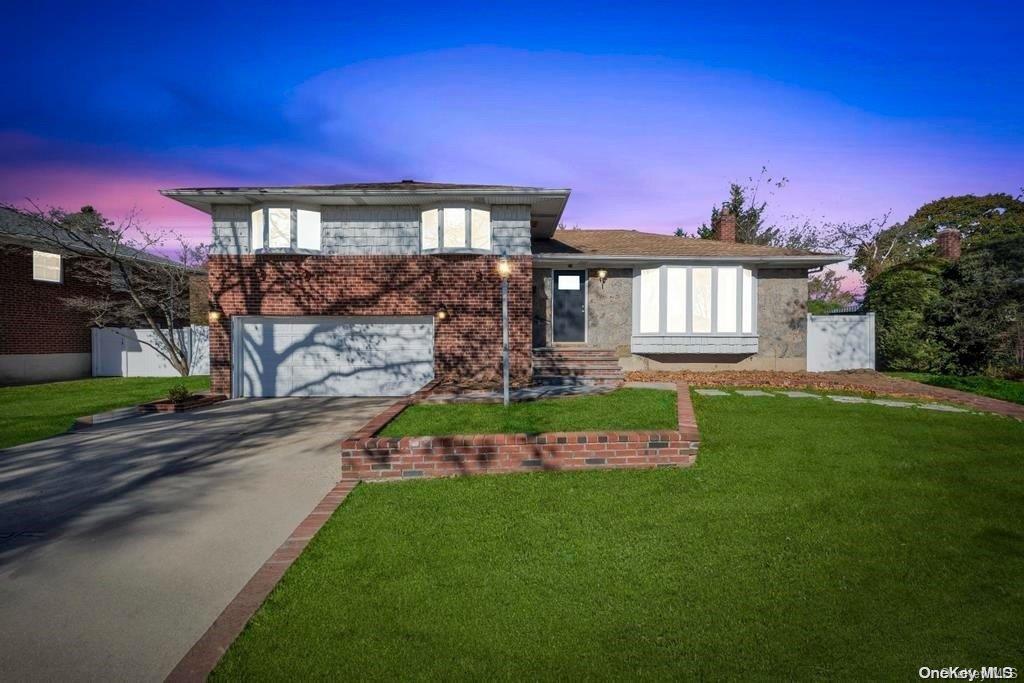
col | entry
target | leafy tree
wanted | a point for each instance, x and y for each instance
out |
(991, 216)
(979, 317)
(825, 292)
(903, 298)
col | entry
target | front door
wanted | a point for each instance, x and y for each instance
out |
(569, 306)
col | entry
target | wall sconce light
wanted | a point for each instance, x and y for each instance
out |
(441, 314)
(213, 316)
(602, 275)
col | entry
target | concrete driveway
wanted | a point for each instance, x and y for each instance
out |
(120, 545)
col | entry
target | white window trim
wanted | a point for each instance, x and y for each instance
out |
(467, 246)
(293, 208)
(60, 268)
(662, 301)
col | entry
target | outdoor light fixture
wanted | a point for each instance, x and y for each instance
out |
(602, 275)
(504, 268)
(213, 316)
(441, 314)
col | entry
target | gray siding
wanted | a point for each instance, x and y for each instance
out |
(510, 230)
(739, 344)
(362, 230)
(230, 229)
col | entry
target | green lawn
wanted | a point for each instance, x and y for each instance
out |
(36, 411)
(618, 410)
(811, 540)
(1005, 389)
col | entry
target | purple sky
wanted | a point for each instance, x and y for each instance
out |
(647, 132)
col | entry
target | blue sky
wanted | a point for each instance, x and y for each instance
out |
(646, 110)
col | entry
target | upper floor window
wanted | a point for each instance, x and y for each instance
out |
(277, 227)
(46, 267)
(455, 228)
(696, 300)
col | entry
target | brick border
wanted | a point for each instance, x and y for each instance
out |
(365, 457)
(201, 659)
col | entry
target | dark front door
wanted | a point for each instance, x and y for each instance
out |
(569, 306)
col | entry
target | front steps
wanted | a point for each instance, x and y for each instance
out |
(575, 365)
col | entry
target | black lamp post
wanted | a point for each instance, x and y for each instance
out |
(504, 271)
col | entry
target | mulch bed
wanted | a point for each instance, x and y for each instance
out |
(166, 405)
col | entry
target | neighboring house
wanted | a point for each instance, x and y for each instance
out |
(375, 289)
(42, 338)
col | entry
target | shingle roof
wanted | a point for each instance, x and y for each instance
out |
(634, 243)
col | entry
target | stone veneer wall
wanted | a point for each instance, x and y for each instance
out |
(781, 322)
(467, 345)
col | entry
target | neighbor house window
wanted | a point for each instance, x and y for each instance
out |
(696, 300)
(455, 228)
(46, 267)
(279, 227)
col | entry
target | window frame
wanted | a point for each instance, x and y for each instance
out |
(60, 267)
(293, 235)
(467, 246)
(663, 301)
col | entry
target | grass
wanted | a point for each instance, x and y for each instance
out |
(1005, 389)
(810, 541)
(37, 411)
(624, 409)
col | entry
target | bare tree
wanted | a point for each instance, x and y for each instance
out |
(873, 245)
(133, 286)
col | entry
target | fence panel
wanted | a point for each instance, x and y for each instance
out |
(840, 342)
(124, 352)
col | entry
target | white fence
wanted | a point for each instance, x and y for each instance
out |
(840, 342)
(124, 352)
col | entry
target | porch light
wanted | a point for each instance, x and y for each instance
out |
(441, 314)
(213, 316)
(602, 275)
(504, 268)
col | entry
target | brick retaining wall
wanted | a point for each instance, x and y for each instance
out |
(367, 457)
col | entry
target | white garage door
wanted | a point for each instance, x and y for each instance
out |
(360, 356)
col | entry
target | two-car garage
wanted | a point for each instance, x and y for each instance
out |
(331, 356)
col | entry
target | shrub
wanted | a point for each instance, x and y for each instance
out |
(178, 393)
(903, 298)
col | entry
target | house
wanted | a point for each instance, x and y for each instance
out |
(378, 288)
(42, 337)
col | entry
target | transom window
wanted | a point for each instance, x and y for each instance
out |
(280, 227)
(46, 267)
(455, 228)
(696, 300)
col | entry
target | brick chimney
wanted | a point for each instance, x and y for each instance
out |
(947, 243)
(725, 229)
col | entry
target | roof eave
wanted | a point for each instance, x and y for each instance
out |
(809, 261)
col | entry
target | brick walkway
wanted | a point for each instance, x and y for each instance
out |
(863, 381)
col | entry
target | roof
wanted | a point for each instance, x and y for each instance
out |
(546, 204)
(625, 244)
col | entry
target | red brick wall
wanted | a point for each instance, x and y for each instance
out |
(467, 345)
(33, 317)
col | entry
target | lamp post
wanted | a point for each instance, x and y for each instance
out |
(504, 271)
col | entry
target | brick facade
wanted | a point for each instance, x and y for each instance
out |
(365, 457)
(467, 343)
(35, 319)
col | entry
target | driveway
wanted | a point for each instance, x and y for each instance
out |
(120, 545)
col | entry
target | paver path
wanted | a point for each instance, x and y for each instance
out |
(860, 380)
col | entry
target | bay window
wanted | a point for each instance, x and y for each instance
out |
(285, 228)
(695, 300)
(455, 228)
